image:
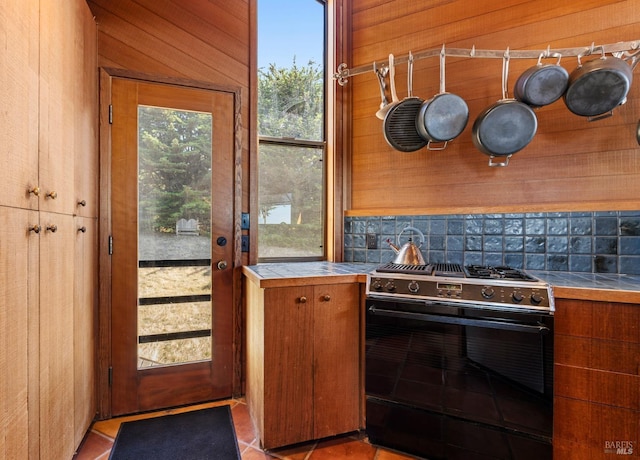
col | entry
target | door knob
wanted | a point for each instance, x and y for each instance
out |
(222, 265)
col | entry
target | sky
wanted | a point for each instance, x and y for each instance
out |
(288, 28)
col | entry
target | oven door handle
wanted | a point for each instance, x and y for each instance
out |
(538, 329)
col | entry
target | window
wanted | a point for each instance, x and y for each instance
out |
(291, 129)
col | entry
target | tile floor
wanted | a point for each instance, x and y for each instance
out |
(99, 439)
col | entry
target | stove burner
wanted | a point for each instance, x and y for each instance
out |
(488, 272)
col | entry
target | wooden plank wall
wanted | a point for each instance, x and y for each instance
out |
(201, 40)
(571, 164)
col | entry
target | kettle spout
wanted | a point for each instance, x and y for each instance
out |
(395, 248)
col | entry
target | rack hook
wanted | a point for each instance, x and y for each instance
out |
(342, 74)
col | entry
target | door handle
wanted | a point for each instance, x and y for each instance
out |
(222, 264)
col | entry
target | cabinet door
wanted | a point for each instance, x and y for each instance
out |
(56, 335)
(18, 306)
(288, 360)
(59, 65)
(84, 324)
(336, 338)
(86, 116)
(19, 96)
(596, 383)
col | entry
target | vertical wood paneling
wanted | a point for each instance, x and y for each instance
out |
(570, 164)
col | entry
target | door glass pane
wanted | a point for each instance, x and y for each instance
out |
(174, 236)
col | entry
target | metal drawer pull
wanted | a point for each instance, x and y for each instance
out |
(82, 203)
(52, 194)
(326, 297)
(35, 229)
(35, 191)
(540, 329)
(82, 229)
(302, 299)
(52, 228)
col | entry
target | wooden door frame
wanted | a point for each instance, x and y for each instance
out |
(105, 228)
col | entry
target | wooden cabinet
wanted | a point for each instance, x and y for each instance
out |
(303, 361)
(18, 296)
(48, 273)
(597, 380)
(85, 289)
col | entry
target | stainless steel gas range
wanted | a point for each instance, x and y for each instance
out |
(483, 286)
(459, 361)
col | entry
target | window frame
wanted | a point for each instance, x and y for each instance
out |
(295, 142)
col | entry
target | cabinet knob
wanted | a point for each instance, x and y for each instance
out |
(222, 265)
(302, 299)
(326, 297)
(82, 229)
(35, 229)
(35, 191)
(52, 228)
(82, 203)
(52, 194)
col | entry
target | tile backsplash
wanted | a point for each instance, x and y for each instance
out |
(596, 242)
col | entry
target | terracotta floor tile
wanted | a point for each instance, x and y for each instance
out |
(389, 455)
(338, 448)
(297, 452)
(256, 454)
(93, 447)
(243, 423)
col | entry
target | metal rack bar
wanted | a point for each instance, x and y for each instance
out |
(343, 72)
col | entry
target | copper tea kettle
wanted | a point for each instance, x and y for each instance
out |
(409, 253)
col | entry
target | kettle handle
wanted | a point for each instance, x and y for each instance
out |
(413, 229)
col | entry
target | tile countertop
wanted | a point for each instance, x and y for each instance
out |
(566, 285)
(592, 286)
(306, 273)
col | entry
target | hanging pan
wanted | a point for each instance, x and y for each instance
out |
(541, 84)
(443, 117)
(400, 121)
(599, 86)
(505, 127)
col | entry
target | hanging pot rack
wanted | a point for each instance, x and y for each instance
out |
(620, 49)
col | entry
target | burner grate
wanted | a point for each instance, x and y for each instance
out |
(405, 268)
(506, 273)
(448, 270)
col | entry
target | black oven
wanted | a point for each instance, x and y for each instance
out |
(447, 380)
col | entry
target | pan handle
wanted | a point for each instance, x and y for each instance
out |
(604, 115)
(444, 146)
(499, 164)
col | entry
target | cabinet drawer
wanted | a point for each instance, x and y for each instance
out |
(606, 355)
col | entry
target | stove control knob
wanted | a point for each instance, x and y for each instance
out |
(414, 287)
(517, 297)
(536, 299)
(488, 292)
(390, 286)
(376, 285)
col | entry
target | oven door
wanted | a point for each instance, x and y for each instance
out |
(458, 381)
